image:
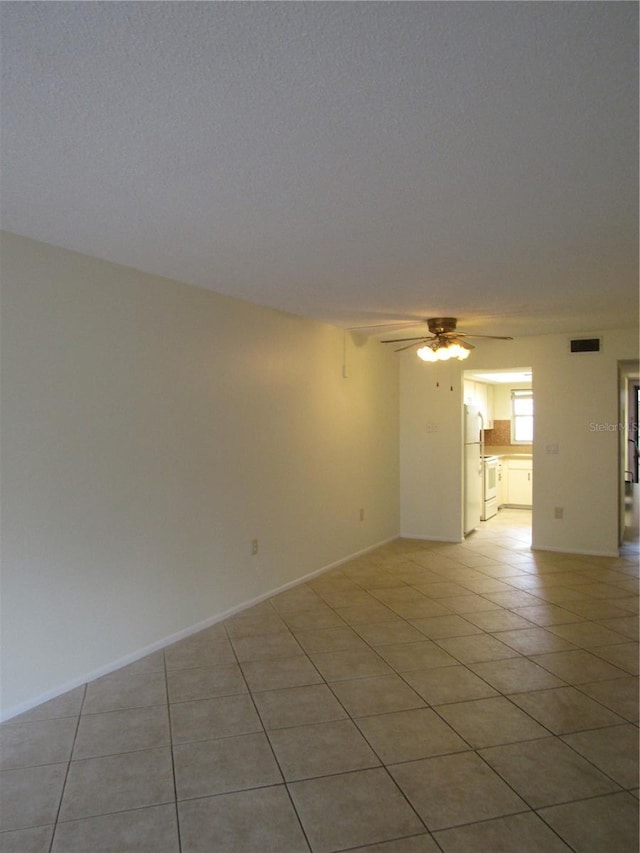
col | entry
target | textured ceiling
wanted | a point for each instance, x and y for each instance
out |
(353, 162)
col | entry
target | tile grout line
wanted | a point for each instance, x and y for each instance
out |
(268, 739)
(171, 747)
(381, 765)
(66, 775)
(501, 694)
(588, 760)
(553, 829)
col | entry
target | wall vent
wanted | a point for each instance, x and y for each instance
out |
(585, 345)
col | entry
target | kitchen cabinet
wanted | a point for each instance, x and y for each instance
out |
(485, 396)
(481, 395)
(519, 482)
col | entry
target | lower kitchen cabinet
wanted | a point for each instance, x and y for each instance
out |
(519, 482)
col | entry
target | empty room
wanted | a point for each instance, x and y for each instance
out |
(319, 427)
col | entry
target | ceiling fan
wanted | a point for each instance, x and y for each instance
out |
(444, 343)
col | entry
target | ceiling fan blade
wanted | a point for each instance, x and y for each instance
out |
(493, 337)
(402, 340)
(397, 325)
(410, 346)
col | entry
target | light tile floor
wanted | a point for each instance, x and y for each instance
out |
(423, 697)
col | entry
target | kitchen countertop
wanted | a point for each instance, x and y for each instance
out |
(506, 456)
(524, 452)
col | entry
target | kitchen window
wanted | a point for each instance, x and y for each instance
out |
(522, 416)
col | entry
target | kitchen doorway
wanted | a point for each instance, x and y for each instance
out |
(505, 399)
(512, 523)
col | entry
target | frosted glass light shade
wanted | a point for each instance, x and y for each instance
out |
(438, 351)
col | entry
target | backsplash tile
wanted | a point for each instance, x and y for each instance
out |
(500, 437)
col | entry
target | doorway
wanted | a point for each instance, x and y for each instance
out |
(505, 399)
(632, 440)
(629, 396)
(514, 523)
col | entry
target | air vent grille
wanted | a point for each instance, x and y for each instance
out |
(585, 345)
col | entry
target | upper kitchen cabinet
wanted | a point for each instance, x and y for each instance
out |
(481, 395)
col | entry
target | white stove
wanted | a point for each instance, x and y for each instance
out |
(490, 487)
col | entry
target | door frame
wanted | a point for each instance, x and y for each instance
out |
(628, 383)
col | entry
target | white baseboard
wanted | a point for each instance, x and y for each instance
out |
(112, 666)
(580, 552)
(424, 538)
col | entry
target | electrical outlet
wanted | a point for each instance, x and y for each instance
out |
(558, 512)
(362, 515)
(254, 547)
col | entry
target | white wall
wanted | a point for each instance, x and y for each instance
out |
(572, 392)
(150, 431)
(430, 449)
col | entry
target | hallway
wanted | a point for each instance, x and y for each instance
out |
(425, 696)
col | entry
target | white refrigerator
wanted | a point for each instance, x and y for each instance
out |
(472, 468)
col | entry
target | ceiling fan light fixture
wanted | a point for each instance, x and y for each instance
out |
(445, 344)
(443, 350)
(427, 353)
(459, 350)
